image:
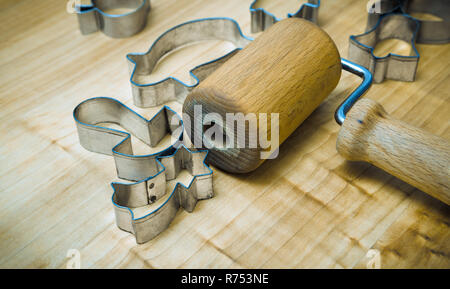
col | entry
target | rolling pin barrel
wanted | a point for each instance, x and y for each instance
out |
(289, 70)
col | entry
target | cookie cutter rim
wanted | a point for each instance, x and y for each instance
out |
(148, 216)
(127, 133)
(374, 60)
(268, 17)
(122, 171)
(93, 7)
(84, 9)
(154, 85)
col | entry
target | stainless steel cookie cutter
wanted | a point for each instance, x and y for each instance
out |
(169, 89)
(95, 138)
(92, 18)
(391, 66)
(430, 32)
(155, 173)
(261, 19)
(129, 197)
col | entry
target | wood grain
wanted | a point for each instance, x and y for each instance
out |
(288, 70)
(307, 208)
(411, 154)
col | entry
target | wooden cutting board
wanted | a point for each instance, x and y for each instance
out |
(307, 208)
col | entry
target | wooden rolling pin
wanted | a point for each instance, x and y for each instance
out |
(289, 70)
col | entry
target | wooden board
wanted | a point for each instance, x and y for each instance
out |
(307, 208)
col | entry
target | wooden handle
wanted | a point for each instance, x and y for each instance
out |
(288, 70)
(411, 154)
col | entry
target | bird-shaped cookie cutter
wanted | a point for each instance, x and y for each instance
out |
(172, 89)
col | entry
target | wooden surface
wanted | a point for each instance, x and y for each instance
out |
(307, 208)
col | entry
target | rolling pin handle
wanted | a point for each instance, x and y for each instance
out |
(409, 153)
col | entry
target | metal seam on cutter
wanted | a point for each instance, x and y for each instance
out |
(129, 196)
(171, 88)
(117, 143)
(261, 19)
(430, 32)
(93, 18)
(392, 66)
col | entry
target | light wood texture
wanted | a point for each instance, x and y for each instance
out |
(411, 154)
(307, 208)
(288, 70)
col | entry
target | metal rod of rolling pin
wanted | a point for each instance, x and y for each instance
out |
(347, 104)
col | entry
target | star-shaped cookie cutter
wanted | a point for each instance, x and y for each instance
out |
(93, 18)
(95, 138)
(392, 66)
(171, 88)
(261, 19)
(127, 197)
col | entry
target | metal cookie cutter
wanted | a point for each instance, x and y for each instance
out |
(431, 32)
(169, 89)
(92, 18)
(391, 66)
(128, 198)
(155, 173)
(261, 19)
(95, 138)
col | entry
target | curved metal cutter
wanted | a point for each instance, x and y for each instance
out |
(391, 66)
(153, 172)
(128, 197)
(94, 111)
(169, 89)
(261, 19)
(93, 18)
(430, 32)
